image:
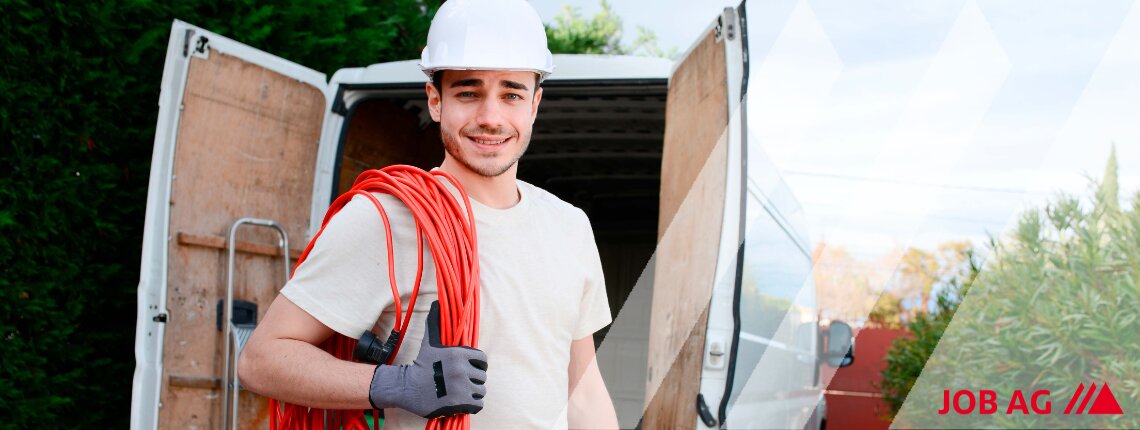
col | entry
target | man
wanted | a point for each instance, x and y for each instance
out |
(543, 295)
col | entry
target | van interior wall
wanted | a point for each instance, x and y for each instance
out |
(382, 132)
(599, 148)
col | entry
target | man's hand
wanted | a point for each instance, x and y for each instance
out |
(443, 380)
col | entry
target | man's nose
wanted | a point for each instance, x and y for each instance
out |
(490, 113)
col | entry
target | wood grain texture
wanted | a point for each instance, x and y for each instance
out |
(696, 114)
(692, 207)
(381, 133)
(219, 243)
(246, 147)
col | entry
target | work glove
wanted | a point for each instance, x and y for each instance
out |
(443, 380)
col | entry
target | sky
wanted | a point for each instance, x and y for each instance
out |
(913, 123)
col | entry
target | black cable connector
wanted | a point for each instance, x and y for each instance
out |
(370, 350)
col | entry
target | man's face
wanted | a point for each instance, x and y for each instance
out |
(485, 117)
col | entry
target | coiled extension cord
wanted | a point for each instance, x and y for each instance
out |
(449, 227)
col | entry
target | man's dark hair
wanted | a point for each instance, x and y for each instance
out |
(437, 80)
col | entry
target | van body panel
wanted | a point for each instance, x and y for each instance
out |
(719, 348)
(775, 379)
(238, 136)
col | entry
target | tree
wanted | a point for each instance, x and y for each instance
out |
(920, 273)
(887, 312)
(908, 355)
(573, 34)
(887, 291)
(1055, 306)
(77, 114)
(847, 287)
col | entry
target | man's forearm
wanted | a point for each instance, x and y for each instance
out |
(590, 405)
(300, 373)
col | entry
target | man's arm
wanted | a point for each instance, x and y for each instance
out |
(590, 406)
(281, 360)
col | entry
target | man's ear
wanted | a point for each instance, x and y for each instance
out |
(434, 100)
(534, 104)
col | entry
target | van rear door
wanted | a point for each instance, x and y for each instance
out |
(699, 226)
(237, 136)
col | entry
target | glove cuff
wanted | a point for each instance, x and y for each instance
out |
(387, 386)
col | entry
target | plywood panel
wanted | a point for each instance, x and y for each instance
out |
(381, 133)
(696, 114)
(246, 147)
(692, 207)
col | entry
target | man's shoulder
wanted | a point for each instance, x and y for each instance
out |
(361, 213)
(547, 201)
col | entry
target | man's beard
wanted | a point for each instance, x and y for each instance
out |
(454, 148)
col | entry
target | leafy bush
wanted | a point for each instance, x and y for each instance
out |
(1055, 307)
(908, 355)
(78, 104)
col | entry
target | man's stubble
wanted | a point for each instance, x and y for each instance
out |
(454, 148)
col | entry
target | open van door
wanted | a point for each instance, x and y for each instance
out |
(699, 226)
(237, 137)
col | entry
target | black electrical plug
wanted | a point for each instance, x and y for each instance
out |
(370, 350)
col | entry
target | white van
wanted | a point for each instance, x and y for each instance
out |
(708, 270)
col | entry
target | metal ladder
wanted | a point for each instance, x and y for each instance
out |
(236, 335)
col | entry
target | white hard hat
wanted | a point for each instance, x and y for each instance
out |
(487, 35)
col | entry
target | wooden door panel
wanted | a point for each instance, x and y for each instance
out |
(693, 164)
(246, 147)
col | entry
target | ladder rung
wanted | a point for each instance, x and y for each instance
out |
(219, 242)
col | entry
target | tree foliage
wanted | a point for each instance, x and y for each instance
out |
(79, 93)
(921, 273)
(1056, 305)
(918, 275)
(887, 311)
(847, 287)
(602, 34)
(908, 355)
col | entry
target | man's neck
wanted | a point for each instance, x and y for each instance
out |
(499, 192)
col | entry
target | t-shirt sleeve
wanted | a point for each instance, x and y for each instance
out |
(594, 310)
(342, 282)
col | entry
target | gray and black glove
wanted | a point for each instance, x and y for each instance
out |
(443, 380)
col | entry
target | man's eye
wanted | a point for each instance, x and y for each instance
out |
(466, 94)
(513, 97)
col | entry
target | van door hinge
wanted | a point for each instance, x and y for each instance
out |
(160, 318)
(202, 48)
(703, 411)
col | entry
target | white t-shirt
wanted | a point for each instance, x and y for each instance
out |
(541, 288)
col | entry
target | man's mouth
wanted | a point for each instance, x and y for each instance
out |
(489, 142)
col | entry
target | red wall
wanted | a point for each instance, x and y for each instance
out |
(853, 399)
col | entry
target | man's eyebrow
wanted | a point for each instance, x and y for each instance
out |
(473, 82)
(513, 85)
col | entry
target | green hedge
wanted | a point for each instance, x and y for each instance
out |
(79, 96)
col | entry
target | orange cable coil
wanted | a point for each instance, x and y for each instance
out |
(450, 232)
